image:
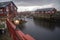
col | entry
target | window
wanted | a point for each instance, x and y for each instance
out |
(15, 8)
(7, 9)
(1, 11)
(11, 4)
(49, 12)
(52, 11)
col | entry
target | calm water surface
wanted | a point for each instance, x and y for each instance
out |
(42, 30)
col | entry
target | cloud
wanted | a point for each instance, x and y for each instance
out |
(32, 8)
(36, 2)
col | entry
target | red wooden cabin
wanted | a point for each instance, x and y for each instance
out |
(7, 10)
(46, 13)
(47, 10)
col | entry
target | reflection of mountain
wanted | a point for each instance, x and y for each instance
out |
(48, 25)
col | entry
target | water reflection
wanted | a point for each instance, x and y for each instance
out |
(44, 24)
(47, 24)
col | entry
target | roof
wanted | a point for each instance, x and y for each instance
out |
(45, 9)
(4, 4)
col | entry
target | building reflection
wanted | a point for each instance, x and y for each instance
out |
(48, 25)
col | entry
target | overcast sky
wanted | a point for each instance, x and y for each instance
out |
(26, 3)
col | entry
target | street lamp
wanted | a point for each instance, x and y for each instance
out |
(16, 22)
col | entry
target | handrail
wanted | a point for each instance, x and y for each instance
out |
(17, 34)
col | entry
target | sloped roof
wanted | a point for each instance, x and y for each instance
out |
(4, 4)
(45, 9)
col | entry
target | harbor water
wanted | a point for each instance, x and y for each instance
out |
(41, 30)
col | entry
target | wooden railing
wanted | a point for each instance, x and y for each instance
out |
(17, 34)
